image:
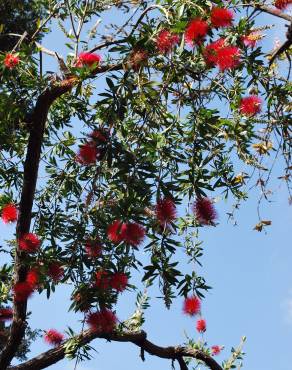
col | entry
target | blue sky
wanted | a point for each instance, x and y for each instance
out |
(250, 273)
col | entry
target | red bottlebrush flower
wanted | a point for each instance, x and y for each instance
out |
(165, 211)
(32, 277)
(93, 248)
(87, 154)
(221, 17)
(205, 211)
(166, 40)
(251, 39)
(119, 281)
(133, 233)
(55, 271)
(11, 60)
(22, 291)
(196, 31)
(103, 321)
(250, 105)
(201, 326)
(216, 350)
(9, 213)
(99, 136)
(223, 55)
(282, 4)
(137, 59)
(29, 242)
(114, 231)
(53, 337)
(6, 314)
(88, 59)
(102, 280)
(192, 306)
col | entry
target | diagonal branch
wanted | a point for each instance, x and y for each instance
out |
(52, 356)
(269, 10)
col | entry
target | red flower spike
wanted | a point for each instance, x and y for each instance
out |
(32, 277)
(100, 136)
(22, 291)
(282, 4)
(56, 271)
(133, 233)
(114, 231)
(87, 154)
(53, 337)
(93, 248)
(29, 243)
(220, 54)
(9, 213)
(196, 31)
(204, 211)
(201, 326)
(221, 17)
(165, 211)
(88, 59)
(250, 105)
(119, 281)
(11, 60)
(103, 321)
(192, 306)
(216, 350)
(166, 40)
(102, 280)
(6, 314)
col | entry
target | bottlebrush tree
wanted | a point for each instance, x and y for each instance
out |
(143, 166)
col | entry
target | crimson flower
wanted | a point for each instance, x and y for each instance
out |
(221, 17)
(32, 277)
(119, 281)
(6, 314)
(166, 40)
(103, 321)
(192, 306)
(196, 31)
(216, 350)
(22, 291)
(133, 233)
(93, 248)
(223, 55)
(282, 4)
(53, 337)
(11, 60)
(114, 231)
(100, 136)
(87, 153)
(56, 271)
(204, 211)
(29, 242)
(165, 211)
(201, 325)
(102, 280)
(9, 213)
(88, 59)
(250, 105)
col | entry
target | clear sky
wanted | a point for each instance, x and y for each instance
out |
(250, 273)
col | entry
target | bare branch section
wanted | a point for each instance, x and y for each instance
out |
(267, 9)
(52, 356)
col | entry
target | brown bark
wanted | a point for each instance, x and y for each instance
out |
(52, 356)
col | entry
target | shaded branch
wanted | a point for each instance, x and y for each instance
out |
(52, 356)
(267, 9)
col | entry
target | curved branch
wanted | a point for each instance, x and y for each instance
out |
(138, 338)
(267, 9)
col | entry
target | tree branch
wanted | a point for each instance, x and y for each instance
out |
(30, 174)
(269, 10)
(52, 356)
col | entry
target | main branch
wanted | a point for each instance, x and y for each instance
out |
(52, 356)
